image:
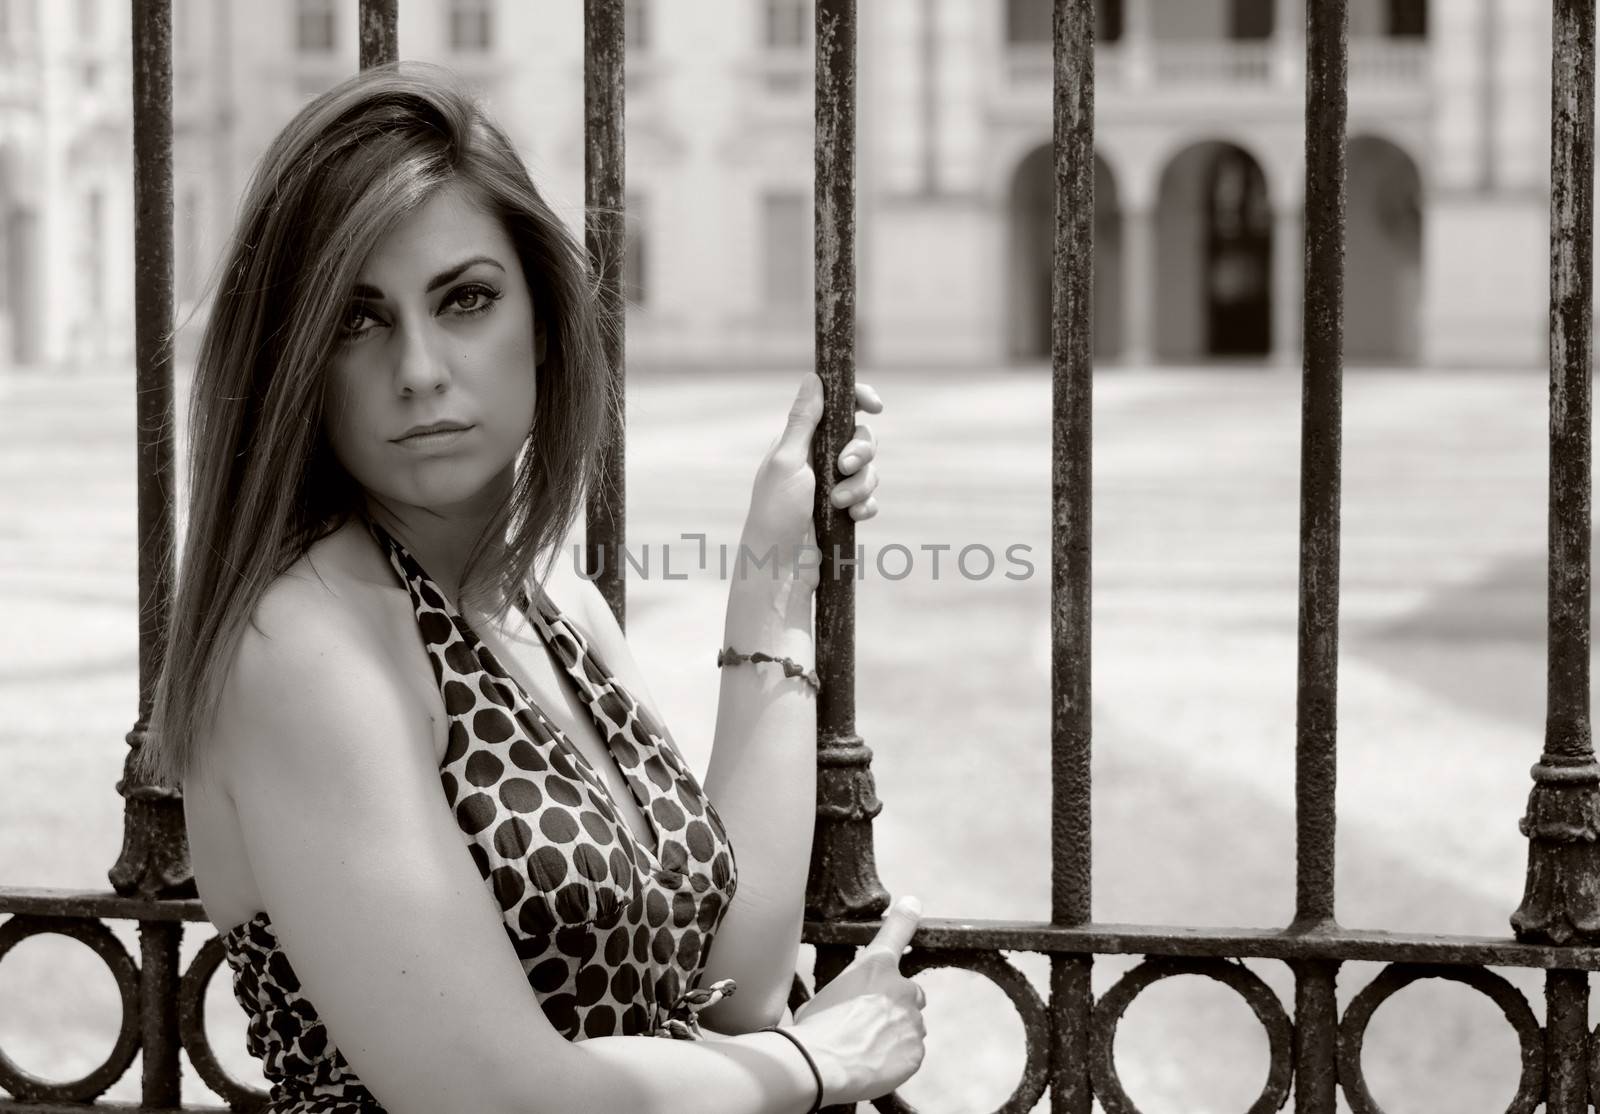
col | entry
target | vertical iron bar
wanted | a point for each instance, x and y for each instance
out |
(604, 55)
(843, 879)
(1561, 901)
(1321, 418)
(1072, 487)
(161, 1083)
(155, 852)
(831, 960)
(1566, 1030)
(1316, 1036)
(1321, 414)
(380, 32)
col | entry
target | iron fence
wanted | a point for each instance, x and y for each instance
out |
(1314, 1050)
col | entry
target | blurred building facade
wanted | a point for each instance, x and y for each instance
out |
(1199, 178)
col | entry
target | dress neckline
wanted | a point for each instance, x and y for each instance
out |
(548, 621)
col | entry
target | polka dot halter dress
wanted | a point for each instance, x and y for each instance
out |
(612, 934)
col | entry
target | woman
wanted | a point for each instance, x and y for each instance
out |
(397, 404)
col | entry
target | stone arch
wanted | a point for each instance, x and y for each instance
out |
(1031, 243)
(21, 340)
(1383, 261)
(1214, 230)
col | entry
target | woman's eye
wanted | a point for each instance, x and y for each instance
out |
(353, 319)
(472, 300)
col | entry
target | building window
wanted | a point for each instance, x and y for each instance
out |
(1252, 19)
(1029, 21)
(786, 249)
(636, 24)
(471, 25)
(786, 24)
(314, 27)
(1408, 17)
(635, 254)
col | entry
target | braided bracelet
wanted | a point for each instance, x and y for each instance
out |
(791, 668)
(816, 1072)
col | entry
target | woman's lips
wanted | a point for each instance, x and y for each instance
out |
(434, 441)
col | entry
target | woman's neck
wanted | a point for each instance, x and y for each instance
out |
(440, 541)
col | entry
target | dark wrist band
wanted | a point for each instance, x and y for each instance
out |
(816, 1073)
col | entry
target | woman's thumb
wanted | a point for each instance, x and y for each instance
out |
(803, 417)
(899, 925)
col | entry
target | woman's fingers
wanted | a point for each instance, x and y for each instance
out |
(867, 399)
(856, 489)
(865, 510)
(861, 449)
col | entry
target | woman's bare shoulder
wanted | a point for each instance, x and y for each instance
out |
(318, 643)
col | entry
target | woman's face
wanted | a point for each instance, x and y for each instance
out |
(432, 387)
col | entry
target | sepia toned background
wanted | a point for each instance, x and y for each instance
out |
(1197, 314)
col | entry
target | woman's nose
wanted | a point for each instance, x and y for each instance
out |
(422, 366)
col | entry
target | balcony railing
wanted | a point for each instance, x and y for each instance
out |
(1224, 64)
(1211, 63)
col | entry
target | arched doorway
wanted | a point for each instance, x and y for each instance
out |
(1383, 260)
(20, 315)
(1214, 251)
(1032, 243)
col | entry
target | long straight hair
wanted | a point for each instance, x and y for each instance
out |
(264, 483)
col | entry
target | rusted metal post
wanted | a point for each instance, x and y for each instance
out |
(1321, 418)
(1566, 1032)
(1321, 415)
(380, 32)
(843, 881)
(1561, 902)
(604, 192)
(1072, 534)
(155, 849)
(158, 1013)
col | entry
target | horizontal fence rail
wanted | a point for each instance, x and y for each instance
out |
(976, 946)
(1314, 1047)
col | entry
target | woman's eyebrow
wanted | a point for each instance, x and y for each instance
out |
(362, 290)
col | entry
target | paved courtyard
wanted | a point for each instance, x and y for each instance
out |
(1440, 706)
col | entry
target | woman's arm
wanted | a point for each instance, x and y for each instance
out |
(762, 772)
(396, 940)
(762, 777)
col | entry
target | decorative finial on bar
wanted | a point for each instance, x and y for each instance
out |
(843, 881)
(155, 844)
(1561, 903)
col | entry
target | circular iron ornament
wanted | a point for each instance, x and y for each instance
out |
(192, 1030)
(100, 940)
(1398, 976)
(1024, 999)
(1238, 978)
